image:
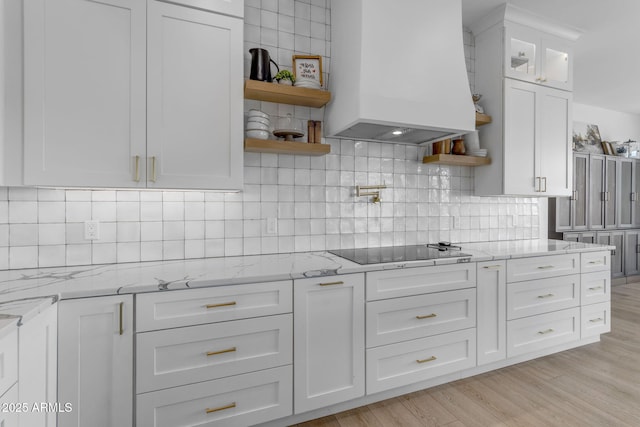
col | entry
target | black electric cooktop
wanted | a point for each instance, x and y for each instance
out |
(400, 253)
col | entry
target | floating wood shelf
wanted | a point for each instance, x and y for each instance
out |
(482, 119)
(284, 94)
(285, 147)
(453, 160)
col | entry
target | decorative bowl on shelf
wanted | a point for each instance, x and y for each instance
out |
(288, 128)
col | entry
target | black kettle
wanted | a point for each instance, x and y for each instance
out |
(261, 65)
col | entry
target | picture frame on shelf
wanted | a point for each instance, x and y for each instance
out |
(586, 138)
(307, 68)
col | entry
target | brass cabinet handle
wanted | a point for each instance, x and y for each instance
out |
(221, 408)
(548, 331)
(633, 197)
(595, 288)
(545, 296)
(595, 262)
(228, 350)
(545, 267)
(599, 319)
(428, 316)
(331, 283)
(154, 177)
(121, 309)
(544, 177)
(538, 185)
(222, 304)
(430, 359)
(492, 267)
(136, 176)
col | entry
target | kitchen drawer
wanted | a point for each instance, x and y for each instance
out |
(402, 319)
(596, 287)
(226, 7)
(8, 360)
(542, 296)
(421, 280)
(200, 353)
(545, 330)
(541, 267)
(595, 261)
(396, 365)
(9, 418)
(171, 309)
(596, 319)
(236, 401)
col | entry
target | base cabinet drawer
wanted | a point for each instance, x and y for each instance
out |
(8, 414)
(521, 269)
(403, 319)
(545, 330)
(596, 319)
(397, 365)
(199, 353)
(420, 280)
(542, 296)
(172, 309)
(595, 261)
(236, 401)
(596, 287)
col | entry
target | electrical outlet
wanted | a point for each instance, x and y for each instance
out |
(92, 230)
(272, 226)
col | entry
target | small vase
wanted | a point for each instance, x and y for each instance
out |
(458, 146)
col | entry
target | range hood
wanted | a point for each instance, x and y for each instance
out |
(398, 72)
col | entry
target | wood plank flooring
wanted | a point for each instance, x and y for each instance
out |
(596, 385)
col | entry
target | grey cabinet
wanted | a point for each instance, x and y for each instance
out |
(614, 238)
(596, 191)
(626, 188)
(582, 237)
(571, 213)
(632, 252)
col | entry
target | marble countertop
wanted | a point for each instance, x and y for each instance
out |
(24, 293)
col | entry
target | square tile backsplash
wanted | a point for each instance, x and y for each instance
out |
(289, 203)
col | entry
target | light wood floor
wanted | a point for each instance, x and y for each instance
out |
(596, 385)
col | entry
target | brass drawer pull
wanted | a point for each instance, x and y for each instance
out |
(120, 315)
(595, 262)
(222, 304)
(222, 408)
(545, 296)
(599, 319)
(548, 331)
(427, 316)
(431, 359)
(545, 267)
(136, 176)
(213, 353)
(331, 283)
(492, 267)
(595, 288)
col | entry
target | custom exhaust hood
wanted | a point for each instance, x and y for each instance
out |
(398, 72)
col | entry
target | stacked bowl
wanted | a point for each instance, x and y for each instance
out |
(258, 125)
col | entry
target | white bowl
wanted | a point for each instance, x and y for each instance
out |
(260, 120)
(258, 113)
(258, 134)
(257, 126)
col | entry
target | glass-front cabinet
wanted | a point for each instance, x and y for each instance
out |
(537, 57)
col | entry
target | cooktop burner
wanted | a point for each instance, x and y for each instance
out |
(400, 253)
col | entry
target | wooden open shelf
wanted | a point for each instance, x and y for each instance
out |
(482, 119)
(285, 147)
(284, 94)
(454, 160)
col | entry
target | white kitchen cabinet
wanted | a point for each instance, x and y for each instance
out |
(329, 341)
(37, 376)
(8, 361)
(84, 92)
(194, 98)
(149, 96)
(492, 302)
(534, 333)
(95, 361)
(537, 57)
(9, 418)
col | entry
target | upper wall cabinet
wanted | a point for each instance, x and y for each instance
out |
(133, 94)
(537, 57)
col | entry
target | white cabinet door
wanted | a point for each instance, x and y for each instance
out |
(9, 418)
(556, 57)
(492, 306)
(37, 351)
(84, 92)
(95, 368)
(553, 141)
(329, 340)
(195, 99)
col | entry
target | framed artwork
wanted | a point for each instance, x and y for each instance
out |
(586, 138)
(308, 67)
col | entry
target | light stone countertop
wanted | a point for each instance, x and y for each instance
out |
(25, 293)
